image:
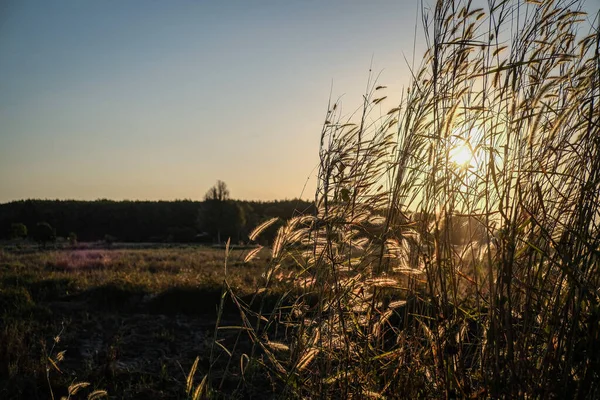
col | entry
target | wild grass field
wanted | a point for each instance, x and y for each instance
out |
(454, 250)
(130, 321)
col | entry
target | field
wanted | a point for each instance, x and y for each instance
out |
(130, 321)
(452, 250)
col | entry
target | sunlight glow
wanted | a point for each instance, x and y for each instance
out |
(465, 148)
(461, 156)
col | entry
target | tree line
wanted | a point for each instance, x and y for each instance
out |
(213, 220)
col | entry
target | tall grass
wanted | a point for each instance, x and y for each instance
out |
(422, 276)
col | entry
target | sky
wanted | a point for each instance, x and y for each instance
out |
(156, 99)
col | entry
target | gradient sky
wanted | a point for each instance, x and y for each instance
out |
(154, 99)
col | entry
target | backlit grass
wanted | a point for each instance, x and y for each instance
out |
(455, 249)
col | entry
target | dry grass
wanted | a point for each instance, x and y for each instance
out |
(126, 319)
(420, 275)
(151, 270)
(394, 304)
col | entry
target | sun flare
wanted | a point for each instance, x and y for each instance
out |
(461, 156)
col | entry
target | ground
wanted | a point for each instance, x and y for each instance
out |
(131, 320)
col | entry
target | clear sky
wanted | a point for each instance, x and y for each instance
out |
(157, 99)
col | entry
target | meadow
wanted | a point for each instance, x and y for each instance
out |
(453, 250)
(130, 321)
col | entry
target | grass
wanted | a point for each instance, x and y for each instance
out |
(454, 251)
(132, 320)
(402, 308)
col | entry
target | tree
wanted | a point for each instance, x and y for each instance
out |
(44, 233)
(219, 192)
(218, 214)
(18, 230)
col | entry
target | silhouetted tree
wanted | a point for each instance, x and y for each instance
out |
(44, 233)
(18, 231)
(219, 216)
(219, 192)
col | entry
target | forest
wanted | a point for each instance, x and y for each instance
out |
(182, 221)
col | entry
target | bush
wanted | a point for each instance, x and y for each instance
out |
(18, 231)
(109, 239)
(44, 233)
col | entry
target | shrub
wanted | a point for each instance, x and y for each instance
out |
(44, 233)
(109, 239)
(18, 231)
(72, 238)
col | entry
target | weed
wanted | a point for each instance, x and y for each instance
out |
(454, 249)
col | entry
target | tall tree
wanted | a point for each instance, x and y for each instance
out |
(219, 192)
(218, 214)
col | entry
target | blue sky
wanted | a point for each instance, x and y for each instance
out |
(149, 99)
(159, 99)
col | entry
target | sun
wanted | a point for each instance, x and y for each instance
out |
(461, 156)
